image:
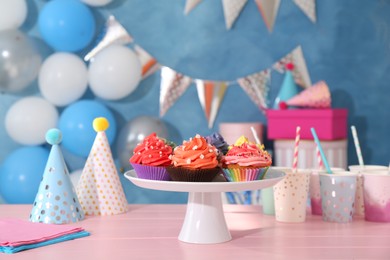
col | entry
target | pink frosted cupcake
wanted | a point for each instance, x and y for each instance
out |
(151, 158)
(245, 161)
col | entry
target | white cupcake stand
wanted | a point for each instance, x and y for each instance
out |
(205, 222)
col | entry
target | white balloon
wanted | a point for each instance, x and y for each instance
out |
(63, 78)
(28, 120)
(96, 2)
(12, 14)
(114, 72)
(75, 177)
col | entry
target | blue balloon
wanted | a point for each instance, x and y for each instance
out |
(66, 25)
(76, 121)
(21, 174)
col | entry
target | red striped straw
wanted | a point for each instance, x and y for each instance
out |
(319, 159)
(297, 138)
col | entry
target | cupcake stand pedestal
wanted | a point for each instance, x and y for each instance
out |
(204, 222)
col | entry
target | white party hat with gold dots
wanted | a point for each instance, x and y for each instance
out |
(56, 201)
(99, 189)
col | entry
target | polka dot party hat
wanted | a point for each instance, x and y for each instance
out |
(56, 201)
(99, 188)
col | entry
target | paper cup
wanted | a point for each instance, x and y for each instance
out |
(338, 196)
(376, 196)
(290, 196)
(314, 190)
(359, 202)
(267, 195)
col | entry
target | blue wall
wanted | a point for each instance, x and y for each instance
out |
(348, 47)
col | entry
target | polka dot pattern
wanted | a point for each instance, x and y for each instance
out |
(56, 201)
(290, 197)
(99, 189)
(338, 197)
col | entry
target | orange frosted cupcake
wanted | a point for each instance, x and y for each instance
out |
(245, 161)
(151, 158)
(194, 161)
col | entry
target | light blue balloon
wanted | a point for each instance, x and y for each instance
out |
(75, 122)
(66, 25)
(21, 174)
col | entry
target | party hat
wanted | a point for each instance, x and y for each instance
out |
(317, 96)
(289, 88)
(99, 188)
(56, 201)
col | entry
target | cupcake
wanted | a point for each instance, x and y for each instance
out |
(151, 158)
(245, 161)
(194, 161)
(217, 140)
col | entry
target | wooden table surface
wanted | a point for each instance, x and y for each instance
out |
(151, 231)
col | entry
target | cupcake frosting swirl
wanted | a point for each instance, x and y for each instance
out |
(247, 154)
(152, 151)
(217, 140)
(195, 154)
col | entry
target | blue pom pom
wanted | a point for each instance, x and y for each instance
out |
(54, 136)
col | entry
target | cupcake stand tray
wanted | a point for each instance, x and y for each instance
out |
(204, 222)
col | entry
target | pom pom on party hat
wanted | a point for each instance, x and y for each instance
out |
(288, 88)
(56, 201)
(99, 188)
(317, 96)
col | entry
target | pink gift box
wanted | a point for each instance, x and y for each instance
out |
(330, 124)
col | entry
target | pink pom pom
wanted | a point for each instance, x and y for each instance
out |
(289, 66)
(283, 105)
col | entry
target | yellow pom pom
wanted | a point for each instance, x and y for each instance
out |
(241, 140)
(100, 124)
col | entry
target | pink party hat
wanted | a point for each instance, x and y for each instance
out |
(56, 201)
(99, 188)
(317, 96)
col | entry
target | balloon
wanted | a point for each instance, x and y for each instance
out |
(28, 120)
(134, 132)
(12, 14)
(63, 78)
(21, 174)
(96, 2)
(114, 72)
(75, 177)
(19, 61)
(76, 125)
(66, 25)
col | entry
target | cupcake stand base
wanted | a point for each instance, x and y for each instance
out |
(204, 222)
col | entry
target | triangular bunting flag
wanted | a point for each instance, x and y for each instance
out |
(173, 85)
(300, 72)
(231, 10)
(148, 63)
(308, 7)
(56, 201)
(211, 94)
(317, 96)
(269, 10)
(255, 86)
(190, 4)
(113, 32)
(99, 188)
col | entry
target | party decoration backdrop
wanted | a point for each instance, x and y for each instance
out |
(345, 44)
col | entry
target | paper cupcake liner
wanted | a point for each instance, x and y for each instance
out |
(158, 173)
(237, 174)
(192, 175)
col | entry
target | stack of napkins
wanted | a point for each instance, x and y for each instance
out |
(17, 235)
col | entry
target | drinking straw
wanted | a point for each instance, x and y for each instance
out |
(319, 160)
(255, 135)
(296, 146)
(317, 141)
(357, 146)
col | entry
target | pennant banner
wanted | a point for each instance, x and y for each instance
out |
(231, 10)
(300, 72)
(149, 64)
(190, 4)
(268, 10)
(256, 87)
(308, 7)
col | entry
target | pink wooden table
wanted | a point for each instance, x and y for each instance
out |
(151, 231)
